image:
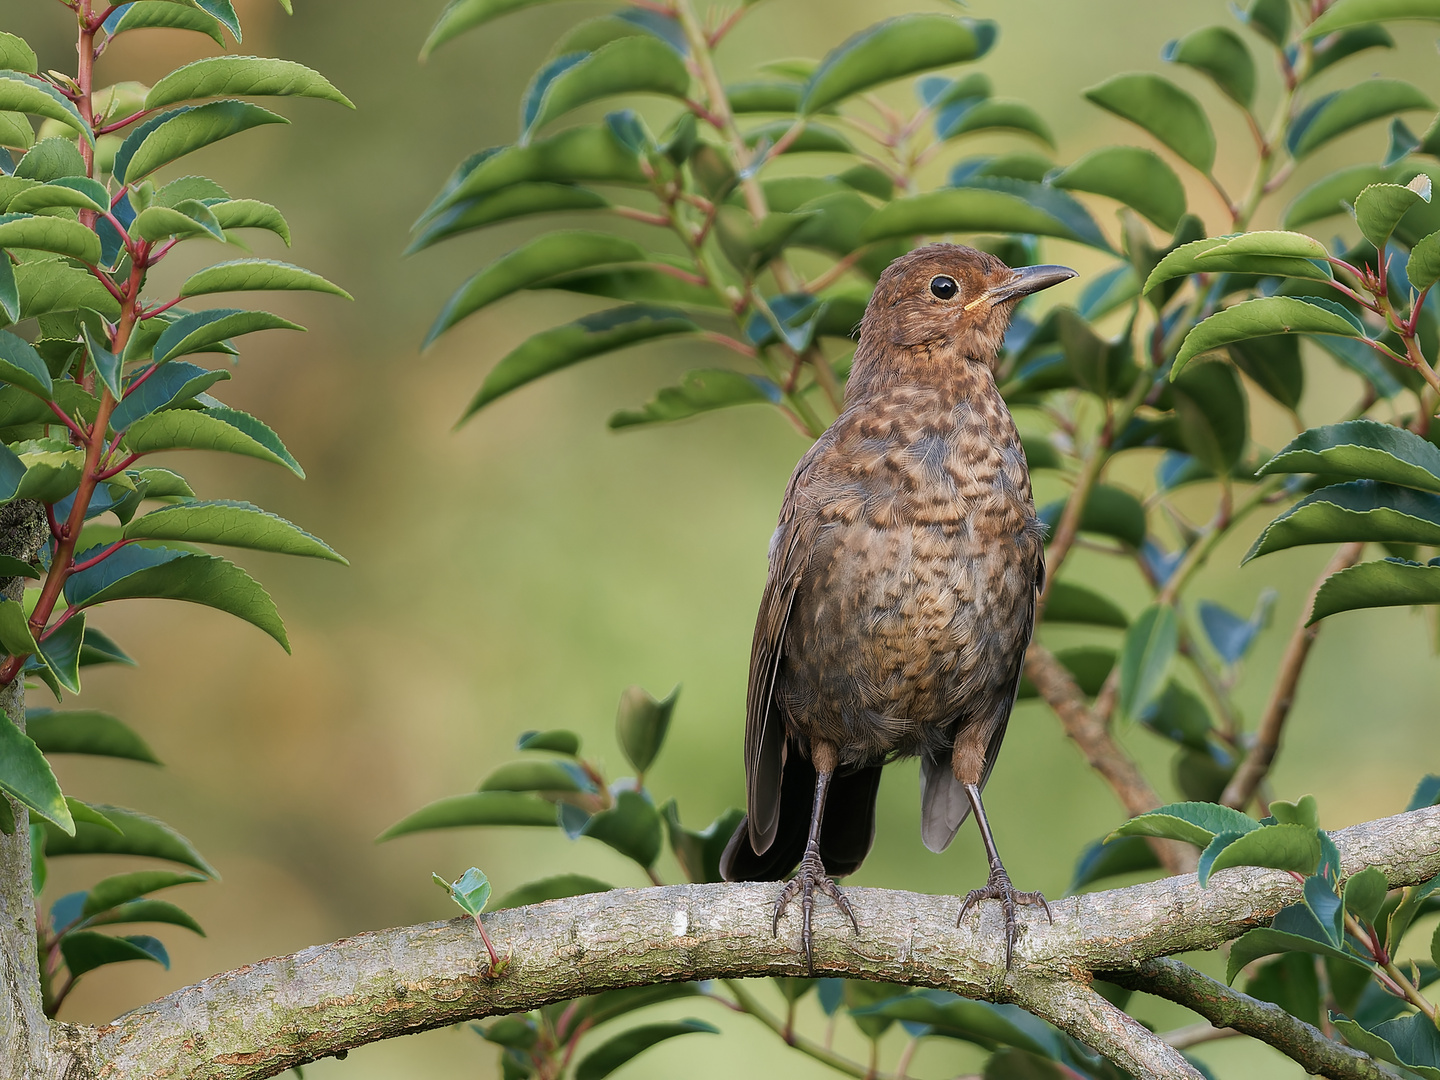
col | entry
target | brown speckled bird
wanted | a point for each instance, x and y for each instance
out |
(901, 594)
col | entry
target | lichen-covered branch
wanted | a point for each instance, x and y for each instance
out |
(261, 1019)
(1224, 1007)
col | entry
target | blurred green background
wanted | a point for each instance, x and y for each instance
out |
(521, 572)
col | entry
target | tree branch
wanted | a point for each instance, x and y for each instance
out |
(261, 1019)
(1225, 1007)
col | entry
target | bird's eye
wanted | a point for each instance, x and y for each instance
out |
(944, 286)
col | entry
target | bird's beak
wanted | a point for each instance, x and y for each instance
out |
(1027, 280)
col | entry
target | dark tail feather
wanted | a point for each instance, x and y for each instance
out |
(845, 834)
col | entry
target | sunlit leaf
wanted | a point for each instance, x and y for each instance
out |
(1263, 317)
(172, 135)
(227, 430)
(252, 76)
(1362, 450)
(230, 524)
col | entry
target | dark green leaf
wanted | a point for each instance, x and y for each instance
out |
(1290, 982)
(1180, 716)
(63, 236)
(200, 331)
(892, 49)
(86, 732)
(175, 384)
(246, 274)
(1069, 602)
(1363, 449)
(977, 1022)
(226, 430)
(1089, 665)
(1346, 43)
(1282, 847)
(551, 888)
(1423, 267)
(1218, 53)
(1132, 175)
(1104, 859)
(111, 892)
(9, 293)
(1145, 657)
(518, 200)
(533, 775)
(253, 76)
(13, 567)
(611, 1004)
(702, 391)
(26, 777)
(997, 115)
(1274, 364)
(139, 835)
(1427, 793)
(1211, 407)
(1108, 511)
(478, 808)
(1365, 893)
(174, 134)
(1359, 510)
(188, 219)
(1349, 13)
(60, 652)
(1270, 19)
(22, 366)
(1335, 114)
(556, 741)
(699, 852)
(611, 1055)
(15, 634)
(77, 192)
(148, 911)
(462, 15)
(1192, 822)
(1006, 207)
(591, 335)
(231, 524)
(641, 723)
(85, 950)
(1164, 110)
(639, 64)
(590, 153)
(1262, 317)
(1411, 1041)
(1388, 583)
(1334, 193)
(631, 827)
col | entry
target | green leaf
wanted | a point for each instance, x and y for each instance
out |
(545, 257)
(999, 115)
(60, 652)
(1361, 449)
(1335, 193)
(9, 293)
(1334, 114)
(1387, 583)
(1270, 244)
(1089, 665)
(1217, 52)
(1108, 511)
(1180, 716)
(1282, 847)
(614, 1053)
(1359, 510)
(1072, 603)
(477, 808)
(639, 64)
(518, 200)
(62, 236)
(1195, 823)
(139, 835)
(556, 741)
(162, 573)
(1145, 657)
(701, 392)
(1164, 110)
(1410, 1041)
(643, 284)
(975, 209)
(471, 892)
(462, 15)
(182, 131)
(591, 335)
(111, 892)
(1379, 208)
(1211, 408)
(1270, 19)
(1274, 364)
(52, 469)
(1262, 317)
(1136, 177)
(751, 245)
(23, 93)
(26, 777)
(16, 54)
(232, 524)
(54, 158)
(1289, 981)
(15, 131)
(13, 567)
(148, 911)
(176, 384)
(22, 366)
(52, 285)
(1111, 858)
(892, 49)
(85, 950)
(86, 732)
(255, 274)
(227, 430)
(1348, 13)
(251, 214)
(551, 888)
(252, 76)
(1365, 893)
(1423, 267)
(535, 775)
(641, 723)
(631, 827)
(163, 14)
(188, 218)
(977, 1022)
(1264, 941)
(15, 635)
(78, 192)
(199, 331)
(699, 852)
(589, 153)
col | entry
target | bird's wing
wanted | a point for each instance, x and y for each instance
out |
(944, 806)
(765, 744)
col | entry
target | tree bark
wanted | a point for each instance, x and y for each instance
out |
(261, 1019)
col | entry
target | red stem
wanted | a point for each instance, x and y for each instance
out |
(118, 124)
(86, 564)
(118, 469)
(75, 429)
(150, 314)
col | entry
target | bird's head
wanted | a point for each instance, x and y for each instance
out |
(952, 294)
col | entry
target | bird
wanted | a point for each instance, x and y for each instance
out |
(903, 581)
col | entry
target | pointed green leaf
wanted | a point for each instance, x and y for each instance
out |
(640, 64)
(251, 76)
(1071, 603)
(86, 732)
(1411, 1041)
(163, 14)
(227, 430)
(702, 391)
(22, 366)
(631, 827)
(9, 565)
(892, 49)
(1423, 268)
(1282, 847)
(27, 778)
(85, 950)
(1333, 115)
(1218, 52)
(52, 469)
(101, 360)
(147, 911)
(254, 274)
(1262, 317)
(51, 285)
(1365, 894)
(1145, 657)
(614, 1053)
(1265, 941)
(641, 723)
(140, 835)
(63, 236)
(1195, 823)
(1347, 13)
(1266, 243)
(1379, 208)
(251, 214)
(23, 93)
(557, 741)
(15, 635)
(1104, 859)
(551, 888)
(533, 775)
(60, 652)
(230, 524)
(999, 115)
(1211, 410)
(545, 257)
(16, 54)
(1109, 511)
(967, 210)
(1364, 450)
(580, 154)
(187, 218)
(699, 852)
(78, 192)
(592, 335)
(111, 892)
(1274, 364)
(1164, 110)
(462, 15)
(199, 331)
(175, 384)
(1359, 510)
(182, 131)
(9, 293)
(477, 808)
(518, 200)
(1137, 177)
(1387, 583)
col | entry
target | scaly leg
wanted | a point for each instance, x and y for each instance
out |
(999, 886)
(811, 876)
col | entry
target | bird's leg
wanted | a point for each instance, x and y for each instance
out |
(811, 874)
(999, 886)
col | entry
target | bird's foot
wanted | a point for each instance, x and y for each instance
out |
(808, 879)
(1000, 888)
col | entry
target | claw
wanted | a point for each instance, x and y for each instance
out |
(1000, 888)
(808, 878)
